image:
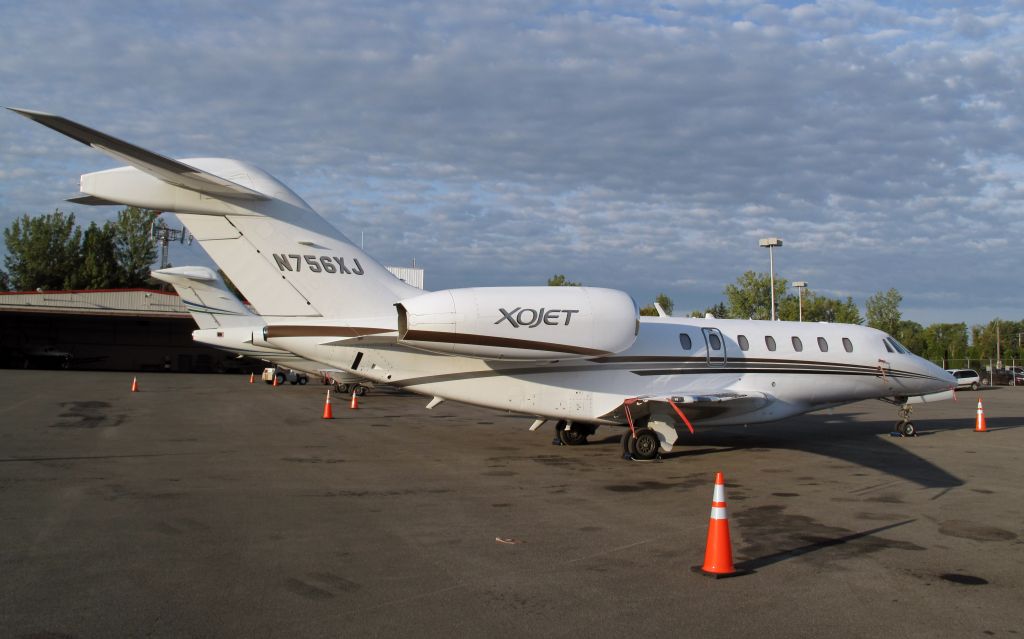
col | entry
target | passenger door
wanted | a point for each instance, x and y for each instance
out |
(716, 346)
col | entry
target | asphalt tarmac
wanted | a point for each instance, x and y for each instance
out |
(204, 506)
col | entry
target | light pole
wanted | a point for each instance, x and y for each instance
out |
(770, 243)
(800, 286)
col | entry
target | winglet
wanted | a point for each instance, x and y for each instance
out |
(159, 166)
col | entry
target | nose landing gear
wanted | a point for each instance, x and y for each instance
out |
(904, 427)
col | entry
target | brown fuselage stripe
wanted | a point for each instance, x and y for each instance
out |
(284, 330)
(498, 342)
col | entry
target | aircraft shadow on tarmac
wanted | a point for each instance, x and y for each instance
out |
(752, 565)
(836, 436)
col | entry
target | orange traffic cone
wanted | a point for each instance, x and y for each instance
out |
(328, 414)
(252, 378)
(135, 384)
(275, 380)
(355, 401)
(718, 554)
(979, 423)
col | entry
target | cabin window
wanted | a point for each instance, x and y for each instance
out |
(744, 344)
(847, 344)
(797, 344)
(887, 347)
(715, 341)
(769, 341)
(685, 342)
(822, 345)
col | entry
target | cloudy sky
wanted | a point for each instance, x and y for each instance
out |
(638, 146)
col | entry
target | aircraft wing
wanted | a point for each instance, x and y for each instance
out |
(692, 406)
(161, 167)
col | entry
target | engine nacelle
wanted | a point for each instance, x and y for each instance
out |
(520, 323)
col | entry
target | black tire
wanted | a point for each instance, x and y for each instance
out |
(281, 379)
(341, 388)
(974, 386)
(359, 391)
(303, 380)
(627, 438)
(575, 437)
(646, 445)
(907, 429)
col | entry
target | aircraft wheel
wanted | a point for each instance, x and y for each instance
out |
(646, 444)
(575, 437)
(359, 390)
(341, 388)
(907, 429)
(627, 439)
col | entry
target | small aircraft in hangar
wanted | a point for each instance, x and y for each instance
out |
(580, 356)
(227, 324)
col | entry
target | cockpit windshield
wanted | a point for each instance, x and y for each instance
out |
(900, 348)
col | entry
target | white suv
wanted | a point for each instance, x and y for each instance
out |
(966, 377)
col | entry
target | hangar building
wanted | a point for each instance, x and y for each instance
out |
(119, 329)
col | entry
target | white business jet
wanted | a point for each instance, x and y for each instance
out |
(226, 324)
(580, 356)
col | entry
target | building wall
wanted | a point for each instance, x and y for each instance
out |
(94, 342)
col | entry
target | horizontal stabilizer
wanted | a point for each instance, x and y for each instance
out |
(159, 166)
(197, 273)
(90, 200)
(207, 299)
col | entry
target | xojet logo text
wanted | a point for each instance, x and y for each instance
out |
(532, 317)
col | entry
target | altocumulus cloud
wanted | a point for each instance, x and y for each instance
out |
(639, 146)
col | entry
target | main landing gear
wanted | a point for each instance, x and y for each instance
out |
(572, 434)
(641, 446)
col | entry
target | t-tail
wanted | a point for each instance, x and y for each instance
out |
(307, 280)
(286, 258)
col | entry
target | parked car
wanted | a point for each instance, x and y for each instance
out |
(283, 375)
(966, 378)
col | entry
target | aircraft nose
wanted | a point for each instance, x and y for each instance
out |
(946, 377)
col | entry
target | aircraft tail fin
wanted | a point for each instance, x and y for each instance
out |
(284, 257)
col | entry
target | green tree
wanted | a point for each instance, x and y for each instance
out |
(559, 280)
(750, 296)
(664, 300)
(883, 311)
(718, 311)
(135, 249)
(820, 308)
(983, 341)
(43, 252)
(99, 263)
(912, 335)
(945, 342)
(5, 284)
